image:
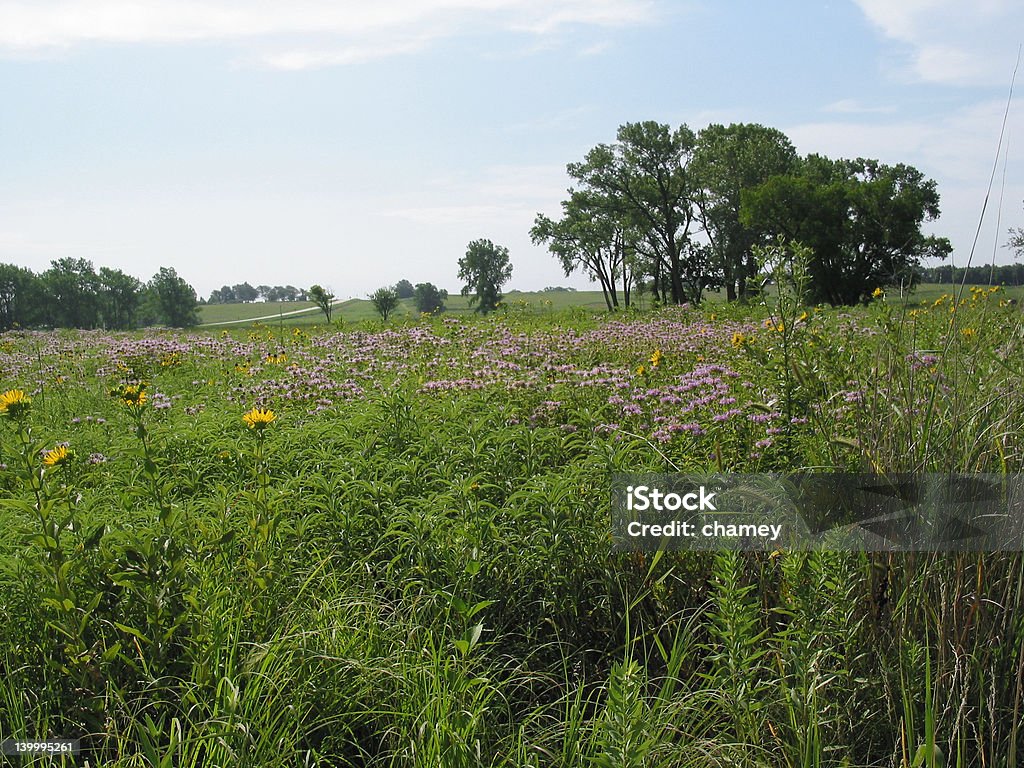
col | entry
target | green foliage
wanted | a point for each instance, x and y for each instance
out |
(644, 179)
(484, 268)
(323, 299)
(404, 289)
(385, 301)
(429, 298)
(21, 297)
(726, 161)
(418, 571)
(861, 219)
(173, 299)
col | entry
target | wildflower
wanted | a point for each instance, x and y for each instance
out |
(57, 456)
(656, 358)
(968, 333)
(877, 293)
(739, 340)
(97, 458)
(132, 395)
(259, 418)
(14, 403)
(641, 370)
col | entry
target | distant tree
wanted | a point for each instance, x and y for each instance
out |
(727, 160)
(429, 298)
(385, 301)
(404, 289)
(861, 219)
(72, 293)
(174, 299)
(322, 299)
(484, 268)
(245, 292)
(265, 291)
(119, 297)
(21, 297)
(226, 295)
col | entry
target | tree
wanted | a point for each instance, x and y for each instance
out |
(646, 175)
(21, 293)
(429, 298)
(727, 160)
(322, 299)
(590, 235)
(174, 299)
(862, 220)
(119, 297)
(484, 268)
(245, 292)
(404, 289)
(385, 301)
(72, 288)
(226, 295)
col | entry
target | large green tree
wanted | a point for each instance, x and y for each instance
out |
(727, 160)
(485, 268)
(72, 293)
(646, 173)
(21, 297)
(429, 298)
(591, 236)
(861, 218)
(119, 298)
(173, 298)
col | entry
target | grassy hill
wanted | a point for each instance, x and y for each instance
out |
(305, 313)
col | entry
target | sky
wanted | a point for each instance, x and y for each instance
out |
(354, 144)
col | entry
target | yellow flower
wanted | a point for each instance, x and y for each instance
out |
(877, 293)
(132, 395)
(259, 418)
(803, 316)
(14, 403)
(641, 370)
(656, 358)
(738, 340)
(969, 333)
(57, 456)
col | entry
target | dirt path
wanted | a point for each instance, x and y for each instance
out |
(269, 317)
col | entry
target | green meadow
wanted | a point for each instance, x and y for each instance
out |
(294, 544)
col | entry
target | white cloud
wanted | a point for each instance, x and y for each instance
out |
(950, 41)
(298, 34)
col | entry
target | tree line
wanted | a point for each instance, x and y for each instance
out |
(243, 292)
(72, 294)
(985, 274)
(678, 212)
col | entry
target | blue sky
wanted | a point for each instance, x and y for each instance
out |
(353, 144)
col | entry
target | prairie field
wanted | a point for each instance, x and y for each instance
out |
(389, 545)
